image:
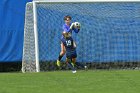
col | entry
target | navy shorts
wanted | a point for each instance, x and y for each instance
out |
(71, 54)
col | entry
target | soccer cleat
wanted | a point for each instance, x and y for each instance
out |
(85, 67)
(58, 63)
(74, 71)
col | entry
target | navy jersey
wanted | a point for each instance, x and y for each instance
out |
(70, 49)
(68, 43)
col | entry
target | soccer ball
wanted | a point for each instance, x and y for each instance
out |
(77, 24)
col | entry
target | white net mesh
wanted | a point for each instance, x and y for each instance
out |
(28, 62)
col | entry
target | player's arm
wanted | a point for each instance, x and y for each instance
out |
(72, 27)
(62, 47)
(76, 30)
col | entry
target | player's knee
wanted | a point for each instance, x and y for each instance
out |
(62, 53)
(74, 60)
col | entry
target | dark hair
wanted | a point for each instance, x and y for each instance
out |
(65, 18)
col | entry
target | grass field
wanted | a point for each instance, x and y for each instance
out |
(92, 81)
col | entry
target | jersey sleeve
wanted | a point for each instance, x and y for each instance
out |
(76, 30)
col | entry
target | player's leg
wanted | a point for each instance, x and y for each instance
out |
(74, 63)
(73, 59)
(62, 53)
(68, 61)
(73, 56)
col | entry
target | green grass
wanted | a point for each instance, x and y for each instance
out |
(92, 81)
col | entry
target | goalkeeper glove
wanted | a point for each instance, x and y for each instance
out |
(72, 25)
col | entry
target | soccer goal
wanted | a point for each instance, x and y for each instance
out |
(109, 31)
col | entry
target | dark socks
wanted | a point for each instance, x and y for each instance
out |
(60, 57)
(71, 66)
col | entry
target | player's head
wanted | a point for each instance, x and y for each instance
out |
(66, 34)
(67, 19)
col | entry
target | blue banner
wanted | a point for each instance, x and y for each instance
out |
(12, 14)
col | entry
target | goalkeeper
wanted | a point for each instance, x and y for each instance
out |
(67, 27)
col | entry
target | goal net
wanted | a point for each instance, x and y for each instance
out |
(110, 32)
